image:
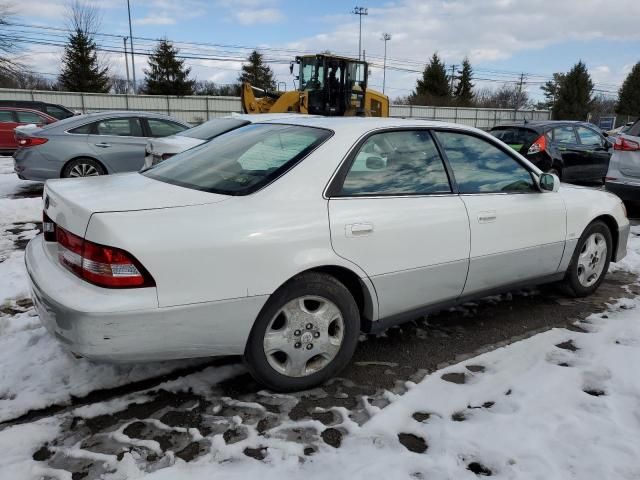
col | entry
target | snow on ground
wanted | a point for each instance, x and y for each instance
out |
(35, 371)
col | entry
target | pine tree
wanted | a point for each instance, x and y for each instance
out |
(434, 80)
(257, 73)
(463, 92)
(574, 94)
(167, 74)
(629, 94)
(81, 70)
(550, 89)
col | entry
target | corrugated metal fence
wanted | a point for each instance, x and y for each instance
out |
(196, 109)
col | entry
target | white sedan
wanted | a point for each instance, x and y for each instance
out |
(283, 241)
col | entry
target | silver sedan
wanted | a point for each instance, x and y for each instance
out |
(90, 145)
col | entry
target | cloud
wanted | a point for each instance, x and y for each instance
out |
(251, 12)
(155, 19)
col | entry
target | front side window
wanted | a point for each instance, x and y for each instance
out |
(564, 135)
(241, 161)
(58, 112)
(481, 167)
(163, 128)
(119, 127)
(29, 117)
(397, 163)
(588, 136)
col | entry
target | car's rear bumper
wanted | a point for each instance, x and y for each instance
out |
(29, 164)
(127, 325)
(628, 192)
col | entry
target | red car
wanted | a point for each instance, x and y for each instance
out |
(11, 117)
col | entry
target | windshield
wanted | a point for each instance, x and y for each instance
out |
(213, 128)
(241, 161)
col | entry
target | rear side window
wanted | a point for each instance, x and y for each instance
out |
(29, 117)
(481, 167)
(83, 130)
(564, 135)
(242, 161)
(163, 128)
(588, 136)
(120, 127)
(397, 163)
(6, 116)
(58, 113)
(634, 131)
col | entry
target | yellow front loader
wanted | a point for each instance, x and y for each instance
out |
(328, 85)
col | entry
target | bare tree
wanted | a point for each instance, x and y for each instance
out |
(9, 65)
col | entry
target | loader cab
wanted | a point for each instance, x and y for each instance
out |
(333, 86)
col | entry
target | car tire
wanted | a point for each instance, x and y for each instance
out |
(83, 167)
(590, 261)
(305, 334)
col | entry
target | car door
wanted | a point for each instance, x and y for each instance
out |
(566, 142)
(392, 212)
(596, 153)
(119, 143)
(517, 232)
(7, 125)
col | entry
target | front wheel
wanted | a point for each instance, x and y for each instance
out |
(306, 333)
(590, 261)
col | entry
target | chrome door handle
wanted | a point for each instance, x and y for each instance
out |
(358, 229)
(487, 217)
(103, 145)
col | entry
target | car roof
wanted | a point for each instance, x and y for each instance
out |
(535, 124)
(30, 110)
(361, 125)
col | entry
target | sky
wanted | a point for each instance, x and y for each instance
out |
(502, 38)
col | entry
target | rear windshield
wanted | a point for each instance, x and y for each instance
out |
(213, 128)
(516, 137)
(241, 161)
(634, 130)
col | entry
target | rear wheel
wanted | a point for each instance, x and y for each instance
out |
(83, 167)
(306, 334)
(590, 261)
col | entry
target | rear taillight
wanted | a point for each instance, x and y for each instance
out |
(30, 141)
(104, 266)
(538, 146)
(48, 228)
(626, 145)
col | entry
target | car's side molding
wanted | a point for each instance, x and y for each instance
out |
(385, 323)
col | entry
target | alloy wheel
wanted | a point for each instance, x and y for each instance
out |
(304, 336)
(83, 170)
(592, 259)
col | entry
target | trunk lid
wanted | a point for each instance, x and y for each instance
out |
(71, 202)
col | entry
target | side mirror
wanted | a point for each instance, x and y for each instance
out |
(375, 163)
(549, 182)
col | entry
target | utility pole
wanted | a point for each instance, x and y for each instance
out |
(386, 37)
(133, 62)
(520, 85)
(126, 62)
(453, 76)
(360, 11)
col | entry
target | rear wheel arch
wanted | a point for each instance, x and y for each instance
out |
(83, 157)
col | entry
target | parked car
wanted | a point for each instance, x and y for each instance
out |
(283, 241)
(623, 177)
(90, 145)
(52, 109)
(160, 149)
(574, 151)
(12, 118)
